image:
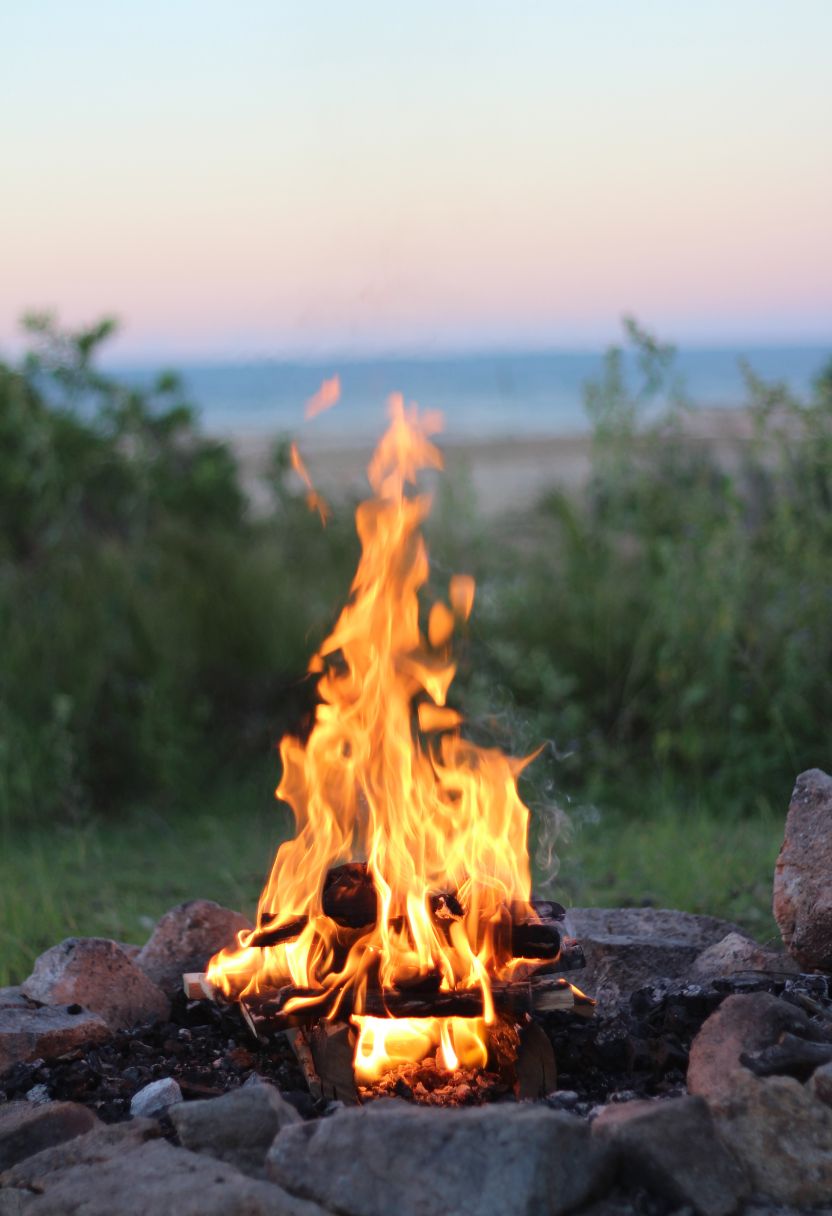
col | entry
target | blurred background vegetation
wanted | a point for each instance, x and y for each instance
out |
(668, 631)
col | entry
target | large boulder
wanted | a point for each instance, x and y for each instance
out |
(626, 948)
(390, 1157)
(803, 874)
(672, 1148)
(96, 973)
(30, 1033)
(27, 1128)
(185, 939)
(239, 1127)
(126, 1170)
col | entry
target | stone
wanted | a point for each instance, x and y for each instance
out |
(820, 1084)
(745, 1023)
(802, 889)
(185, 939)
(504, 1160)
(782, 1135)
(673, 1150)
(736, 953)
(627, 948)
(776, 1127)
(30, 1033)
(238, 1128)
(156, 1098)
(26, 1128)
(13, 998)
(96, 973)
(126, 1170)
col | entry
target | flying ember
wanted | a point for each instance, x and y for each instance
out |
(407, 885)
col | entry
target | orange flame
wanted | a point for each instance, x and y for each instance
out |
(314, 501)
(328, 394)
(385, 776)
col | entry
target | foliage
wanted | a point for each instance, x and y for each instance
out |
(672, 627)
(151, 627)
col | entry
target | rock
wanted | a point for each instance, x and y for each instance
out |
(627, 948)
(156, 1098)
(238, 1128)
(496, 1161)
(27, 1033)
(745, 1023)
(96, 973)
(820, 1084)
(125, 1170)
(13, 998)
(739, 953)
(802, 889)
(38, 1094)
(779, 1131)
(185, 939)
(26, 1128)
(672, 1148)
(783, 1137)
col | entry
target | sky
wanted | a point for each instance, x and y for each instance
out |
(269, 179)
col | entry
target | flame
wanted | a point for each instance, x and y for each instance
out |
(328, 394)
(386, 776)
(314, 501)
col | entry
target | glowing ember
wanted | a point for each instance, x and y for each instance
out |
(385, 777)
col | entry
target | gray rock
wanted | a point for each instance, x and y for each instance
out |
(238, 1128)
(156, 1098)
(735, 953)
(672, 1148)
(96, 973)
(126, 1170)
(26, 1128)
(802, 890)
(820, 1084)
(13, 998)
(779, 1131)
(496, 1161)
(626, 948)
(741, 1024)
(27, 1033)
(185, 939)
(38, 1094)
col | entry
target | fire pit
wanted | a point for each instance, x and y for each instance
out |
(397, 929)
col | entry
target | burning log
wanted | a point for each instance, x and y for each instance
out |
(545, 994)
(350, 899)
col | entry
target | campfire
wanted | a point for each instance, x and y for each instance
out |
(398, 923)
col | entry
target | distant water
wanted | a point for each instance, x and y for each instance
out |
(481, 396)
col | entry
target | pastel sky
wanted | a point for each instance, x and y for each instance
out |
(266, 178)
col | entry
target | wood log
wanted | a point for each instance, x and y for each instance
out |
(546, 994)
(792, 1056)
(535, 1069)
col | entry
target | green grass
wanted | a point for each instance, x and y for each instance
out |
(115, 879)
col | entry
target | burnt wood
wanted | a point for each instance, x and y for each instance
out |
(792, 1056)
(537, 995)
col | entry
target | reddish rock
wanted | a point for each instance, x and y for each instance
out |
(27, 1128)
(803, 874)
(96, 973)
(776, 1127)
(741, 1024)
(185, 939)
(29, 1033)
(739, 953)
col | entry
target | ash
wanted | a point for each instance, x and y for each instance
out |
(638, 1048)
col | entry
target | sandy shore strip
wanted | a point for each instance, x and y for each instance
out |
(502, 474)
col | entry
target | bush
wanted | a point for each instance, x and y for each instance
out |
(151, 627)
(673, 626)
